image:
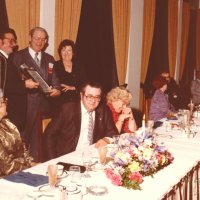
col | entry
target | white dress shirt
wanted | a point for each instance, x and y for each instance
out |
(4, 53)
(32, 53)
(83, 139)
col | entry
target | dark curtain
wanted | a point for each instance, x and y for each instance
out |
(3, 15)
(158, 60)
(190, 63)
(95, 42)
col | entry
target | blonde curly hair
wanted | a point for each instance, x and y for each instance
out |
(119, 93)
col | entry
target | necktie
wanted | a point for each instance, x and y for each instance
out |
(37, 59)
(90, 127)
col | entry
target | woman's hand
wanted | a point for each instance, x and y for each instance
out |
(65, 87)
(126, 114)
(53, 92)
(3, 112)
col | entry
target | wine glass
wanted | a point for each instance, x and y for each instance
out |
(87, 162)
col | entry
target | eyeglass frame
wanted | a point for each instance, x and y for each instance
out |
(91, 98)
(39, 39)
(11, 40)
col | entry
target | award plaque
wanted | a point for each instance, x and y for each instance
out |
(35, 76)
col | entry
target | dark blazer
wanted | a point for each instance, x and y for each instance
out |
(62, 134)
(16, 93)
(38, 104)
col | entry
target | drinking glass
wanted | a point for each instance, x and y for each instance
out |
(116, 139)
(52, 174)
(150, 124)
(102, 154)
(87, 161)
(75, 173)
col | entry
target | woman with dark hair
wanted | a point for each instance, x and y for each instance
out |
(13, 154)
(69, 72)
(160, 106)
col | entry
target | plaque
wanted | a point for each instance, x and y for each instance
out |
(30, 72)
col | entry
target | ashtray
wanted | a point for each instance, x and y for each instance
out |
(97, 190)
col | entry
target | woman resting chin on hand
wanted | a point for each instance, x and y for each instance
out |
(118, 100)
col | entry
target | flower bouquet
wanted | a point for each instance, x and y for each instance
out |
(137, 157)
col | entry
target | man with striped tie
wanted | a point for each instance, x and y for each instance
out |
(38, 104)
(79, 124)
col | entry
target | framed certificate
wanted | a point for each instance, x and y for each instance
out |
(33, 74)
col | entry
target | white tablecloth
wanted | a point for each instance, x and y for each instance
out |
(185, 150)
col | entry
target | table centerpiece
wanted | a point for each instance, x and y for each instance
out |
(138, 156)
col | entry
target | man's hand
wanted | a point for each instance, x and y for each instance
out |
(102, 142)
(29, 83)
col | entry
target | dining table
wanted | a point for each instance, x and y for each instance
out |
(178, 180)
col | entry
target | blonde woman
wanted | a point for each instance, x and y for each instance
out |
(118, 100)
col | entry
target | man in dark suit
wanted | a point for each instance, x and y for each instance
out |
(10, 80)
(70, 129)
(38, 103)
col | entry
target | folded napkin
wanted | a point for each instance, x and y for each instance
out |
(27, 178)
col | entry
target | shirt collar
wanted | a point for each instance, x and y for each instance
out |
(83, 109)
(32, 52)
(4, 53)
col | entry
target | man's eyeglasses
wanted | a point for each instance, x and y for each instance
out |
(39, 39)
(93, 98)
(11, 40)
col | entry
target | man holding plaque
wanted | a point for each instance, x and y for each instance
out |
(38, 100)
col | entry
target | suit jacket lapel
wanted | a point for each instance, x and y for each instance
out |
(77, 119)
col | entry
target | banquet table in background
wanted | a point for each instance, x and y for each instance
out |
(179, 180)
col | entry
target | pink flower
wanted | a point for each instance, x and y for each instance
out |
(136, 176)
(116, 179)
(109, 173)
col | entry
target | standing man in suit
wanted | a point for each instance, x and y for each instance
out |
(70, 129)
(10, 79)
(7, 40)
(38, 103)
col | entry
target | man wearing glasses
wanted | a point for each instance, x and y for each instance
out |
(79, 124)
(10, 80)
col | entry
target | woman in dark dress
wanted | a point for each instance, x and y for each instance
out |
(69, 72)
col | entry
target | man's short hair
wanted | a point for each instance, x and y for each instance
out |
(33, 30)
(93, 84)
(7, 30)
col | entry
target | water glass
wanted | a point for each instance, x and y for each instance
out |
(87, 161)
(150, 124)
(116, 139)
(75, 173)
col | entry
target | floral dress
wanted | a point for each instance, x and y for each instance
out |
(13, 154)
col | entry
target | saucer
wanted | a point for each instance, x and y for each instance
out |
(47, 190)
(64, 175)
(97, 190)
(98, 167)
